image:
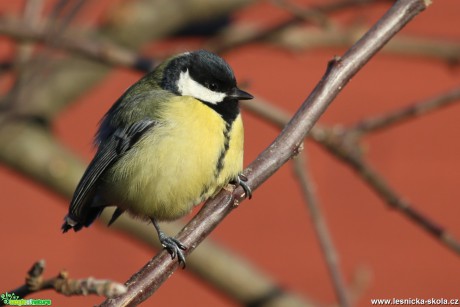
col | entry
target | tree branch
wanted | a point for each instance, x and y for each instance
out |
(379, 185)
(62, 284)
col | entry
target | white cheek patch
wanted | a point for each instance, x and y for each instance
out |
(189, 87)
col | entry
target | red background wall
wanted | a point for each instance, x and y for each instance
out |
(419, 158)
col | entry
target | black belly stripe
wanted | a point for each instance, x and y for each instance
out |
(220, 161)
(224, 150)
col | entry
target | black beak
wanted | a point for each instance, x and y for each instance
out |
(236, 93)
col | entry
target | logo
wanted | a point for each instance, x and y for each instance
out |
(11, 299)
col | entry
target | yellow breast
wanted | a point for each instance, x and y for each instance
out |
(174, 167)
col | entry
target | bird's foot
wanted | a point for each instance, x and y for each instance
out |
(241, 180)
(174, 248)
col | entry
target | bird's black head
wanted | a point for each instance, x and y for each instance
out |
(206, 77)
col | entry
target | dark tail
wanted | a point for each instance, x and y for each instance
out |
(71, 222)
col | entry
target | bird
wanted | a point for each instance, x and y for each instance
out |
(171, 141)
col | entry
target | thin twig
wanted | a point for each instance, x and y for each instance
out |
(381, 187)
(406, 113)
(62, 284)
(322, 232)
(144, 283)
(415, 110)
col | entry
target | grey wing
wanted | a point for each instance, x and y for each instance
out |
(81, 210)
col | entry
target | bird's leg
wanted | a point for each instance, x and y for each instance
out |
(173, 246)
(241, 181)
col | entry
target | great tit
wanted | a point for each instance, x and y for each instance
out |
(171, 141)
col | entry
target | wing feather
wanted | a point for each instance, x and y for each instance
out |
(82, 211)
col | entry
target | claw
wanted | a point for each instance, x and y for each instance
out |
(174, 248)
(172, 245)
(241, 181)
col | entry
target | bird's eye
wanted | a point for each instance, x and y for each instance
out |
(212, 86)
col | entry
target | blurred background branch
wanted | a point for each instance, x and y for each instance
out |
(322, 231)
